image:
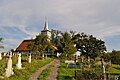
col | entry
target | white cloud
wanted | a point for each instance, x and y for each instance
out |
(98, 17)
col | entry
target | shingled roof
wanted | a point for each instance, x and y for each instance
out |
(23, 46)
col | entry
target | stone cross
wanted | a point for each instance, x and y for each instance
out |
(0, 56)
(29, 60)
(9, 69)
(19, 65)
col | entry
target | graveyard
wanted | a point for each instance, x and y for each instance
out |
(21, 69)
(30, 66)
(60, 55)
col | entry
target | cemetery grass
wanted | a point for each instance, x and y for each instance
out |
(65, 73)
(27, 68)
(2, 67)
(44, 74)
(114, 69)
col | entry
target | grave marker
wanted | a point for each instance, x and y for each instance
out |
(9, 69)
(19, 65)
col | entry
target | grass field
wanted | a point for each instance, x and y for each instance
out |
(28, 68)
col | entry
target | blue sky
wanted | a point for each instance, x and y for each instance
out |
(24, 19)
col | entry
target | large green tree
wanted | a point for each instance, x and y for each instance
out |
(56, 40)
(89, 45)
(40, 44)
(68, 45)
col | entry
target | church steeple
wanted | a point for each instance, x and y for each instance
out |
(46, 31)
(46, 25)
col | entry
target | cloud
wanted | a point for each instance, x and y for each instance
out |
(98, 17)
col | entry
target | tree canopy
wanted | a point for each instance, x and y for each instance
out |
(89, 45)
(68, 45)
(40, 44)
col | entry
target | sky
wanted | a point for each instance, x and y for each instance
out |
(24, 19)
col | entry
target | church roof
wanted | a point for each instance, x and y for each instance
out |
(23, 46)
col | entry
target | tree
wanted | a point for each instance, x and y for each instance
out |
(68, 45)
(1, 41)
(89, 45)
(115, 57)
(40, 44)
(56, 40)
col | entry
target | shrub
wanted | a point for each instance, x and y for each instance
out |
(115, 57)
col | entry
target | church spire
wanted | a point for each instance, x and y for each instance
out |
(46, 25)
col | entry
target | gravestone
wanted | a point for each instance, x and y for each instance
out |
(19, 65)
(10, 53)
(0, 56)
(9, 69)
(29, 60)
(46, 56)
(4, 54)
(43, 56)
(103, 72)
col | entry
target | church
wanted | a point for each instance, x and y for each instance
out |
(23, 47)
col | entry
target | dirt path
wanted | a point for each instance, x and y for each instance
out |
(36, 74)
(53, 73)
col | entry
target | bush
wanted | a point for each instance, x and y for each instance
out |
(115, 57)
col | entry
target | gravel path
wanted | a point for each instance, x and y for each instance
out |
(53, 73)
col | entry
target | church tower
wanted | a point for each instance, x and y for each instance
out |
(46, 31)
